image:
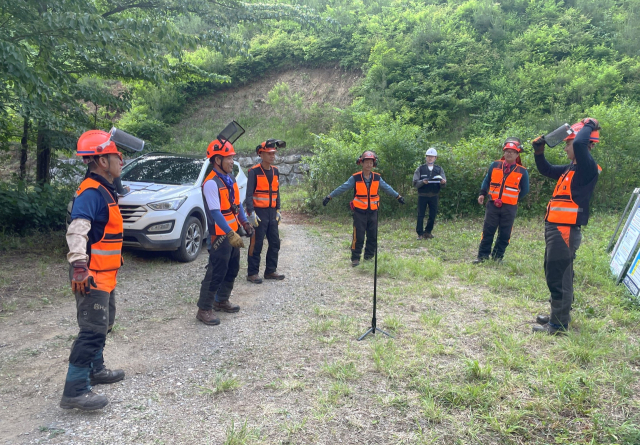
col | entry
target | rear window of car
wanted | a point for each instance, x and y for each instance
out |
(163, 170)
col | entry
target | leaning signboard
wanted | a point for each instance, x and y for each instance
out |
(627, 243)
(632, 280)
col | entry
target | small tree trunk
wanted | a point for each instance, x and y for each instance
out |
(43, 156)
(24, 150)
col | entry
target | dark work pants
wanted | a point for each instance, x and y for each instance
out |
(222, 270)
(96, 313)
(423, 202)
(500, 219)
(268, 227)
(562, 243)
(364, 222)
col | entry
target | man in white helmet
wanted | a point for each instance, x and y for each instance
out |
(428, 179)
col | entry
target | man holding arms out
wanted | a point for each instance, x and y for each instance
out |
(364, 205)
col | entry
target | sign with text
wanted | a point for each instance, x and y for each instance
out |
(626, 245)
(632, 280)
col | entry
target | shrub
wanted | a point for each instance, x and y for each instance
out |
(24, 209)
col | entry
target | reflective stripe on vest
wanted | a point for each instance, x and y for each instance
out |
(266, 194)
(225, 203)
(507, 189)
(364, 198)
(105, 254)
(562, 209)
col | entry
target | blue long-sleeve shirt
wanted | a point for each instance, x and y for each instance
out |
(213, 203)
(524, 182)
(351, 183)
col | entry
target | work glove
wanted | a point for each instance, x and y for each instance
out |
(326, 200)
(253, 219)
(235, 240)
(278, 217)
(81, 280)
(248, 228)
(400, 199)
(538, 145)
(593, 123)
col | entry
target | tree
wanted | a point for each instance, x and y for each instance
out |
(47, 47)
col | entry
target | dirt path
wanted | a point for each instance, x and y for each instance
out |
(171, 360)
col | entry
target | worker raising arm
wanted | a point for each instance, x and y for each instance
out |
(567, 212)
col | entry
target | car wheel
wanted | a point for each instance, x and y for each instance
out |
(191, 241)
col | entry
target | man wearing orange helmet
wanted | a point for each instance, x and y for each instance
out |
(364, 205)
(506, 182)
(263, 205)
(95, 242)
(567, 212)
(224, 217)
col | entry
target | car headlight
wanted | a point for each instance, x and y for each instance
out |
(169, 204)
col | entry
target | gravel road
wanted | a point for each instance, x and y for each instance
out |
(171, 360)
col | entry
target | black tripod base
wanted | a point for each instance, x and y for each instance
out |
(373, 331)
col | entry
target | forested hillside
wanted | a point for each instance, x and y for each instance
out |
(460, 75)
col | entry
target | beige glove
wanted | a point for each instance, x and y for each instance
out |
(235, 240)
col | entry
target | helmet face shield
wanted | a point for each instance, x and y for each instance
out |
(270, 146)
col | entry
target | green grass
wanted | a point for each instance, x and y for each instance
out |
(241, 435)
(284, 116)
(464, 359)
(220, 383)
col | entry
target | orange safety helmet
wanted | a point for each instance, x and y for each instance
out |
(512, 144)
(218, 148)
(594, 137)
(96, 143)
(368, 155)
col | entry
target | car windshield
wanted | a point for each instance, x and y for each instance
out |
(163, 170)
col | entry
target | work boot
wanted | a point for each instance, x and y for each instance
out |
(355, 263)
(420, 237)
(225, 306)
(254, 279)
(274, 276)
(479, 260)
(543, 319)
(86, 402)
(550, 329)
(428, 236)
(106, 376)
(207, 317)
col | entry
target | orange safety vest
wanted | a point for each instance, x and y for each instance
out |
(105, 254)
(562, 209)
(506, 188)
(266, 193)
(366, 198)
(225, 203)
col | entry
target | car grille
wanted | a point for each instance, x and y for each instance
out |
(131, 213)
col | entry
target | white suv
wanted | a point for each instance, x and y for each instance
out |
(165, 209)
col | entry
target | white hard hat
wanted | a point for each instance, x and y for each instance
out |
(431, 152)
